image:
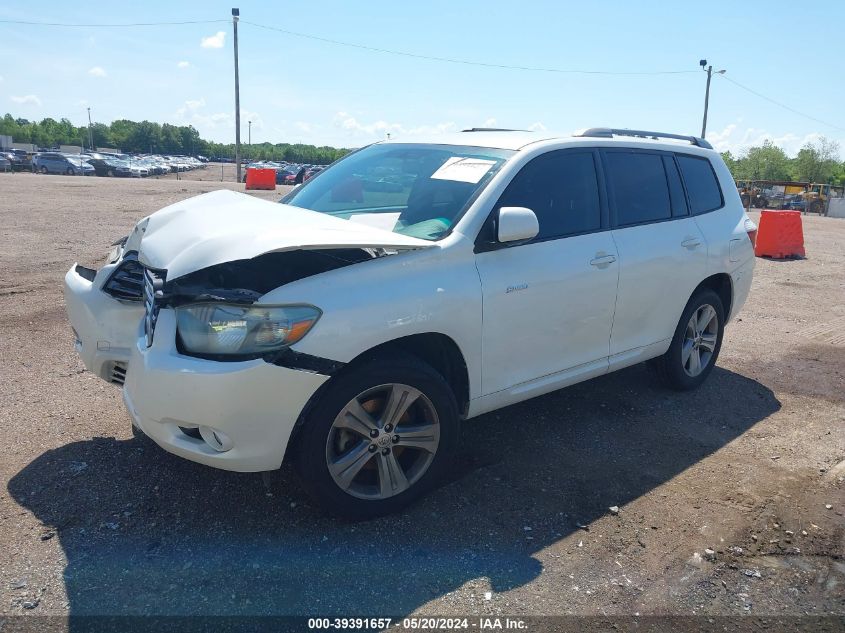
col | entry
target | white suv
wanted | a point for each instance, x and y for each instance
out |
(408, 287)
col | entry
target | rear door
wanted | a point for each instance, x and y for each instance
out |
(662, 252)
(548, 304)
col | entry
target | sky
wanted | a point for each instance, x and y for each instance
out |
(299, 89)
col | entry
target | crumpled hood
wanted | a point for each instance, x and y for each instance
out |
(223, 226)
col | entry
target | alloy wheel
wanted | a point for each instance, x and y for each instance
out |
(700, 340)
(383, 441)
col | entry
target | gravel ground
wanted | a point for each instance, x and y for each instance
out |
(729, 498)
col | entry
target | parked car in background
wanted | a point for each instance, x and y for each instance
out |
(5, 162)
(110, 167)
(18, 159)
(56, 163)
(311, 172)
(351, 330)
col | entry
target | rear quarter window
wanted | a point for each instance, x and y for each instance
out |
(702, 186)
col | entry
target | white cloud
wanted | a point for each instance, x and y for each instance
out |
(491, 122)
(27, 100)
(380, 128)
(183, 64)
(349, 123)
(97, 71)
(537, 127)
(737, 140)
(193, 112)
(214, 41)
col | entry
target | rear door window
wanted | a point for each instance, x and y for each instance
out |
(638, 187)
(702, 186)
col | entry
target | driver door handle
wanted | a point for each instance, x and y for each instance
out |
(602, 261)
(691, 243)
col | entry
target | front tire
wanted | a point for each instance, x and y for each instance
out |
(379, 437)
(43, 169)
(695, 345)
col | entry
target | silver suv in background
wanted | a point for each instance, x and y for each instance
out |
(56, 163)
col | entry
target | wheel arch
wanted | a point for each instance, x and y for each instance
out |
(722, 285)
(438, 350)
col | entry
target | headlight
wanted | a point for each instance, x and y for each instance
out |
(217, 328)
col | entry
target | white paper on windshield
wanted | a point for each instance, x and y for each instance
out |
(384, 221)
(463, 169)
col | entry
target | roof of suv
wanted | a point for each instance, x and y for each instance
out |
(517, 139)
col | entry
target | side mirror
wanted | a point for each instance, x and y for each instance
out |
(517, 224)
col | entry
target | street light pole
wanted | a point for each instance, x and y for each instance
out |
(250, 139)
(706, 100)
(709, 71)
(90, 133)
(235, 14)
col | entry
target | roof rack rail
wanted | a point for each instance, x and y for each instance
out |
(606, 132)
(491, 129)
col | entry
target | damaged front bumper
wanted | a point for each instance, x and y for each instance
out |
(231, 415)
(104, 327)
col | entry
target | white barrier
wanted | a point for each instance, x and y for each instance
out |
(836, 208)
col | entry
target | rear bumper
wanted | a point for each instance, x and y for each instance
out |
(252, 405)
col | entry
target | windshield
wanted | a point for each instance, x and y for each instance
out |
(415, 190)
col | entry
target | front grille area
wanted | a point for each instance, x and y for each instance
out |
(118, 372)
(153, 285)
(127, 280)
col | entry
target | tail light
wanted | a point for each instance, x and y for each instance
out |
(751, 229)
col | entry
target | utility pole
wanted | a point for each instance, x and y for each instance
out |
(250, 139)
(235, 14)
(709, 71)
(90, 133)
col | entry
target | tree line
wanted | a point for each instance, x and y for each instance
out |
(817, 162)
(145, 137)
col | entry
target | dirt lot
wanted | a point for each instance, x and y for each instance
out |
(751, 466)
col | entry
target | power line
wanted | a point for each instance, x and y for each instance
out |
(91, 26)
(781, 105)
(450, 60)
(463, 61)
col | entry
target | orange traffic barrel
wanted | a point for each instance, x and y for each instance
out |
(261, 179)
(780, 235)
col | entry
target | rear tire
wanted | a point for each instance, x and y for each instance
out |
(350, 467)
(695, 345)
